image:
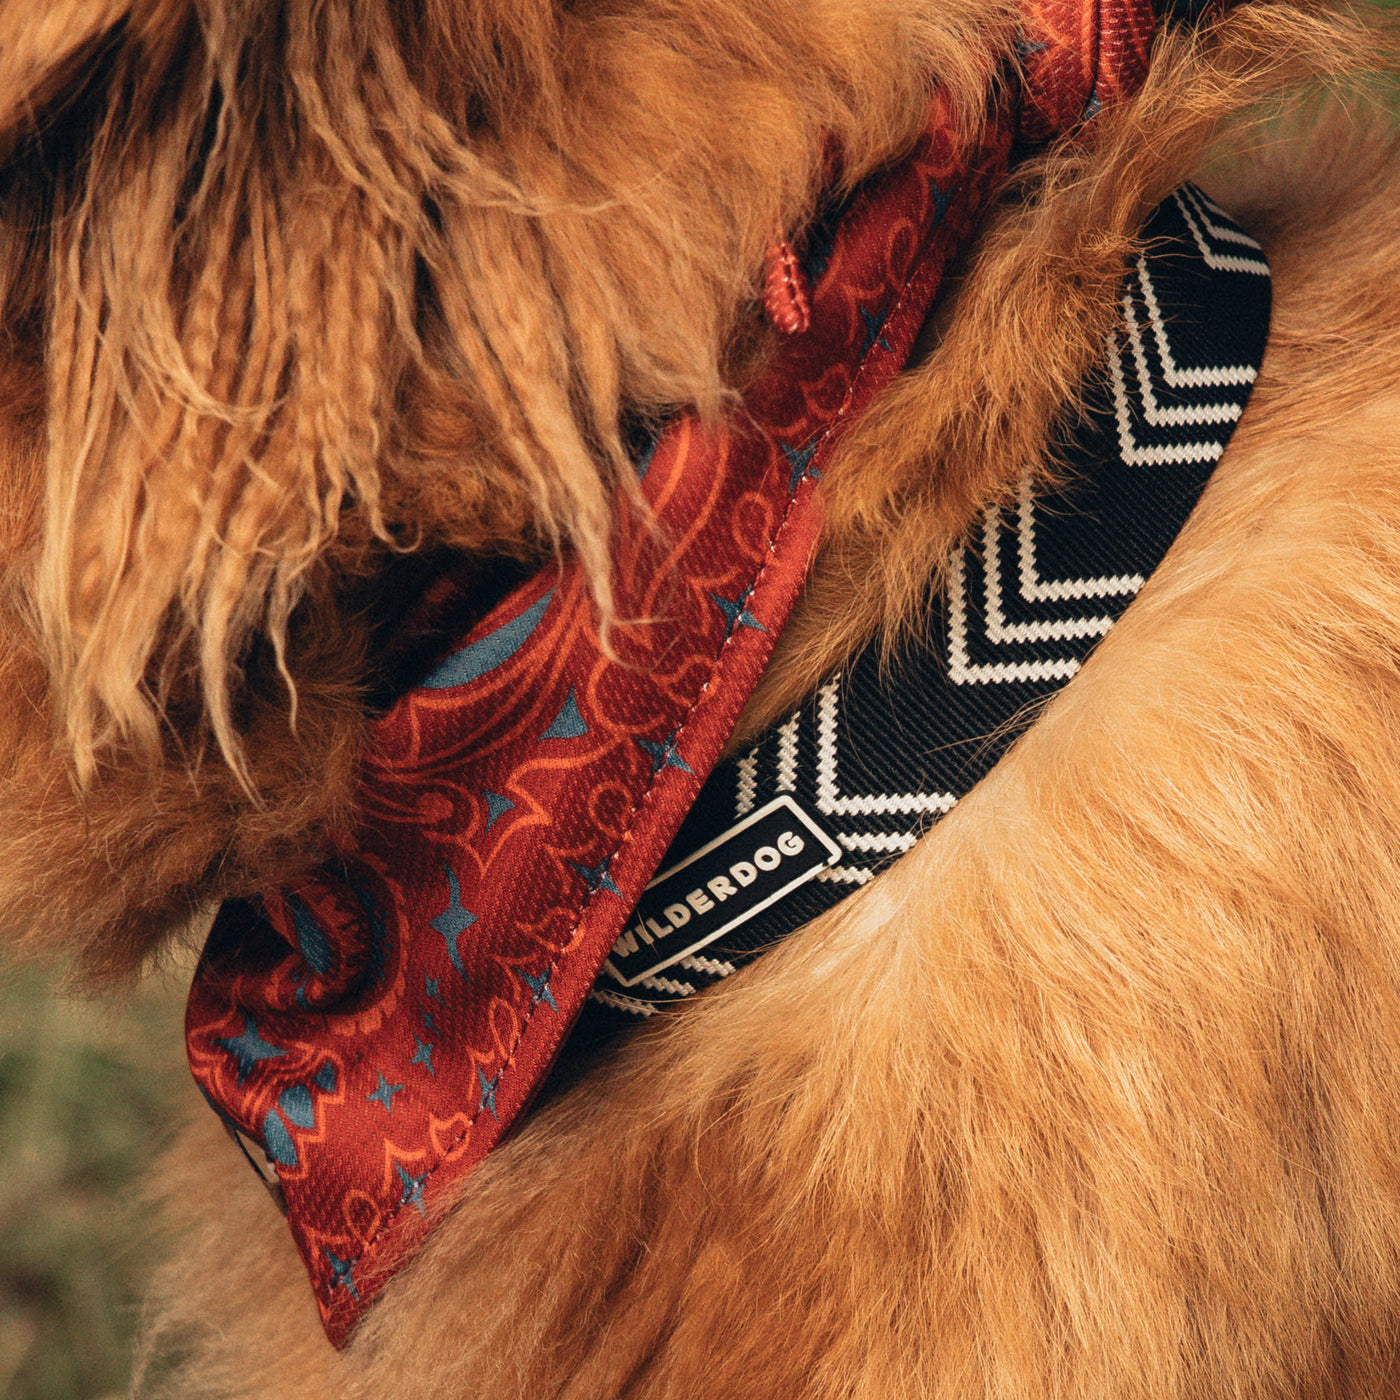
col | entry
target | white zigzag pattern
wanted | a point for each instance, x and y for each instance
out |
(845, 874)
(998, 629)
(961, 668)
(636, 1006)
(787, 755)
(831, 802)
(1034, 589)
(1188, 197)
(716, 967)
(881, 841)
(1207, 377)
(666, 984)
(748, 784)
(632, 1005)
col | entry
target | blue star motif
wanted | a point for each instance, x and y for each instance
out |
(412, 1188)
(800, 460)
(664, 755)
(249, 1048)
(539, 988)
(596, 877)
(736, 612)
(341, 1273)
(488, 1093)
(384, 1093)
(454, 921)
(297, 1106)
(428, 1022)
(277, 1141)
(423, 1055)
(496, 807)
(1093, 106)
(430, 987)
(941, 199)
(873, 326)
(568, 723)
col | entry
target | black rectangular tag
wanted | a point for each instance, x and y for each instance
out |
(731, 879)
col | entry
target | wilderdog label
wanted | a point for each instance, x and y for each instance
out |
(724, 883)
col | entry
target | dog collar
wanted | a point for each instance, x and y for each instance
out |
(372, 1033)
(847, 782)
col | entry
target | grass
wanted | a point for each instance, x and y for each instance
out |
(85, 1103)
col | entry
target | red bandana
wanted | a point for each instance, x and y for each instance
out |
(377, 1029)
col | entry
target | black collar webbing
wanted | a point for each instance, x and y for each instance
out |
(841, 788)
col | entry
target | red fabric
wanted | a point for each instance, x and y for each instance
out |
(787, 293)
(381, 1026)
(1078, 56)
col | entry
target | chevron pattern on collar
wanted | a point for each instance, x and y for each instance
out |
(876, 755)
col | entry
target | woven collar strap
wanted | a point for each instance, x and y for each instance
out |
(844, 784)
(375, 1031)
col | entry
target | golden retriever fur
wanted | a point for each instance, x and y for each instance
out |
(1094, 1094)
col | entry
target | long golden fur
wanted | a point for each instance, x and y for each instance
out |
(1095, 1093)
(293, 288)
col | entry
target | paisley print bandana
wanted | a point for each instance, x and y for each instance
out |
(369, 1035)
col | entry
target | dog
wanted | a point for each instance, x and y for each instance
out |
(1093, 1092)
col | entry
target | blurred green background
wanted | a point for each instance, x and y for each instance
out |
(86, 1100)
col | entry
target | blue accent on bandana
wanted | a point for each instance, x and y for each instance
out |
(478, 658)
